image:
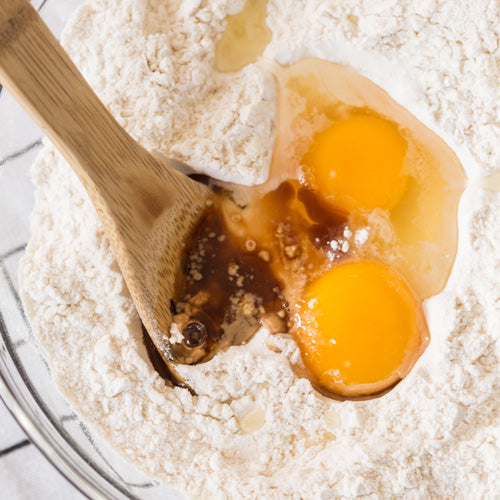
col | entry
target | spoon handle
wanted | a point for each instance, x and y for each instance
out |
(126, 183)
(148, 209)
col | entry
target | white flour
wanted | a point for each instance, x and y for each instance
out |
(255, 430)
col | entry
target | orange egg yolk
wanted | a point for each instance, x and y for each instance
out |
(357, 163)
(361, 329)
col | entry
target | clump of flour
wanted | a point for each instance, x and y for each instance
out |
(256, 430)
(151, 62)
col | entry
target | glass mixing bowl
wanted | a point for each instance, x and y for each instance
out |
(25, 382)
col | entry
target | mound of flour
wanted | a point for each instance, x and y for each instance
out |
(256, 430)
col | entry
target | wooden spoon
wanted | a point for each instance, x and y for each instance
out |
(148, 209)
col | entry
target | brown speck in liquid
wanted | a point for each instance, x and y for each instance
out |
(195, 334)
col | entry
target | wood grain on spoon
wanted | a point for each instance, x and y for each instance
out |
(148, 209)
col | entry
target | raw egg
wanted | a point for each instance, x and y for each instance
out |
(358, 163)
(360, 328)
